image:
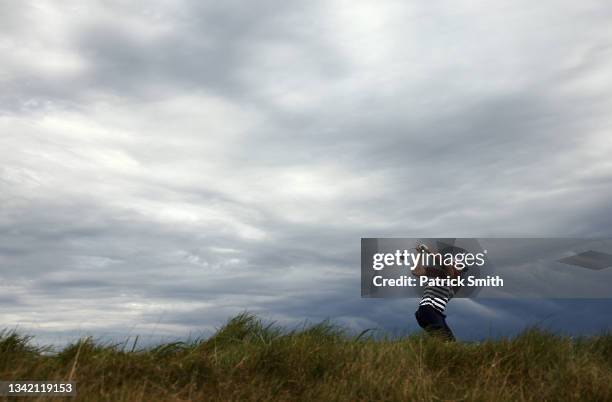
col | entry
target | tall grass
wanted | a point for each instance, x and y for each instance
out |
(247, 360)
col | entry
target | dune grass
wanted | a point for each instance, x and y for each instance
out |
(247, 360)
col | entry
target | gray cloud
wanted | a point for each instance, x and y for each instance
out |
(166, 165)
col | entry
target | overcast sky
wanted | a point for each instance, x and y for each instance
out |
(167, 164)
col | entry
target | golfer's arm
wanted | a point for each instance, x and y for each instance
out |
(432, 272)
(421, 270)
(429, 272)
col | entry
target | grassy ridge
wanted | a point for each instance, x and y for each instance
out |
(246, 360)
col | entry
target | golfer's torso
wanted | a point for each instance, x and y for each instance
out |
(437, 297)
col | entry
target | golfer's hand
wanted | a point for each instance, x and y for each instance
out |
(422, 247)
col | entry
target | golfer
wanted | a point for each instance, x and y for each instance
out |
(430, 314)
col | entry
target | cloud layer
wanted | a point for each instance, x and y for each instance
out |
(167, 164)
